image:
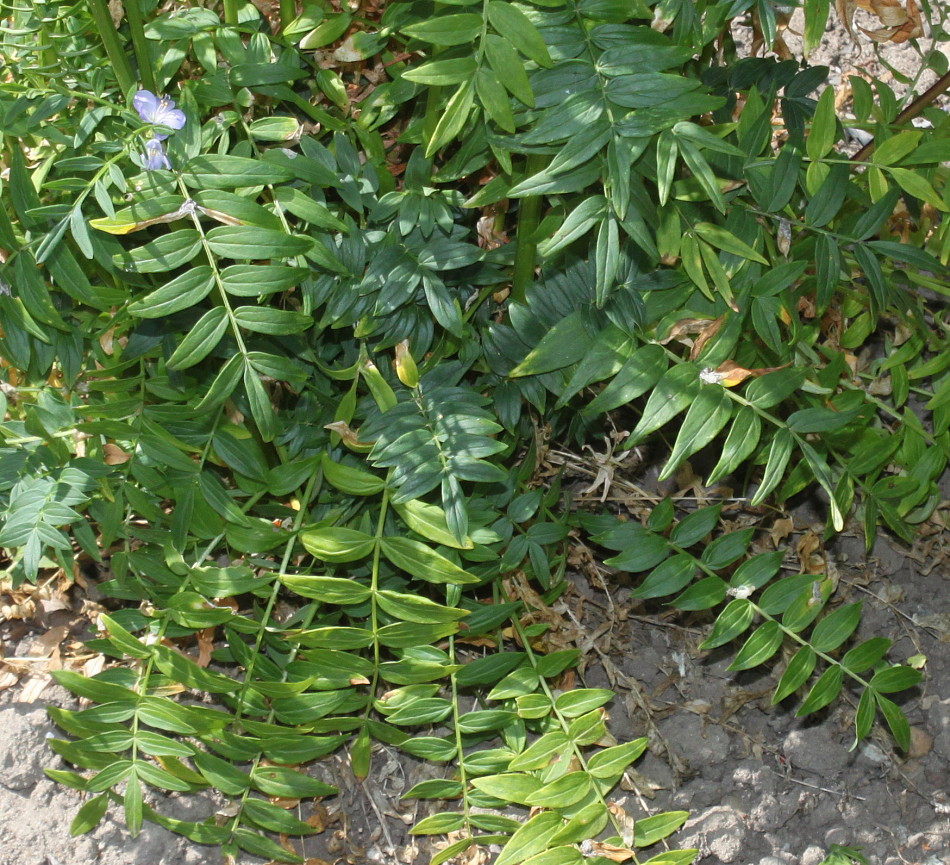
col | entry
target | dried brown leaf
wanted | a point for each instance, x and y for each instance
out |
(349, 436)
(689, 326)
(33, 687)
(113, 455)
(706, 334)
(900, 22)
(729, 373)
(607, 851)
(811, 555)
(205, 646)
(781, 529)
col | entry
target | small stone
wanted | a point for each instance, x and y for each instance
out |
(920, 742)
(812, 855)
(816, 750)
(873, 753)
(722, 831)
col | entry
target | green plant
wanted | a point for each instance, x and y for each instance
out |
(786, 608)
(841, 855)
(278, 387)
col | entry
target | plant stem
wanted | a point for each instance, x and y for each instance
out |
(288, 11)
(433, 94)
(133, 14)
(112, 44)
(526, 245)
(48, 53)
(911, 111)
(231, 12)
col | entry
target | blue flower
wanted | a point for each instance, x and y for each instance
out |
(160, 111)
(155, 155)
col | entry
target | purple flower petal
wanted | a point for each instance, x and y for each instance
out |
(146, 103)
(155, 157)
(159, 111)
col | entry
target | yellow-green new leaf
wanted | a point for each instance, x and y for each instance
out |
(188, 673)
(515, 787)
(895, 148)
(612, 762)
(337, 544)
(540, 753)
(562, 792)
(439, 824)
(822, 692)
(727, 241)
(457, 29)
(706, 417)
(824, 126)
(89, 815)
(415, 608)
(132, 804)
(657, 827)
(799, 668)
(420, 561)
(761, 645)
(430, 522)
(530, 839)
(330, 590)
(915, 184)
(514, 25)
(673, 857)
(286, 782)
(574, 703)
(453, 119)
(561, 855)
(565, 343)
(439, 73)
(349, 480)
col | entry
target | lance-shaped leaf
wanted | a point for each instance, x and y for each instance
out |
(706, 417)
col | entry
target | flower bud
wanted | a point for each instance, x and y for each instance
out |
(406, 368)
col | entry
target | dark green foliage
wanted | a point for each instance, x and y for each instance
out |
(290, 387)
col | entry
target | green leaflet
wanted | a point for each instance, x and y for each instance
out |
(201, 340)
(451, 29)
(708, 414)
(672, 394)
(247, 242)
(420, 561)
(183, 291)
(226, 172)
(565, 344)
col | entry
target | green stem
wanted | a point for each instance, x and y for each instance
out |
(133, 14)
(112, 44)
(564, 724)
(231, 12)
(374, 586)
(48, 58)
(459, 744)
(526, 244)
(288, 11)
(313, 484)
(28, 440)
(433, 97)
(433, 110)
